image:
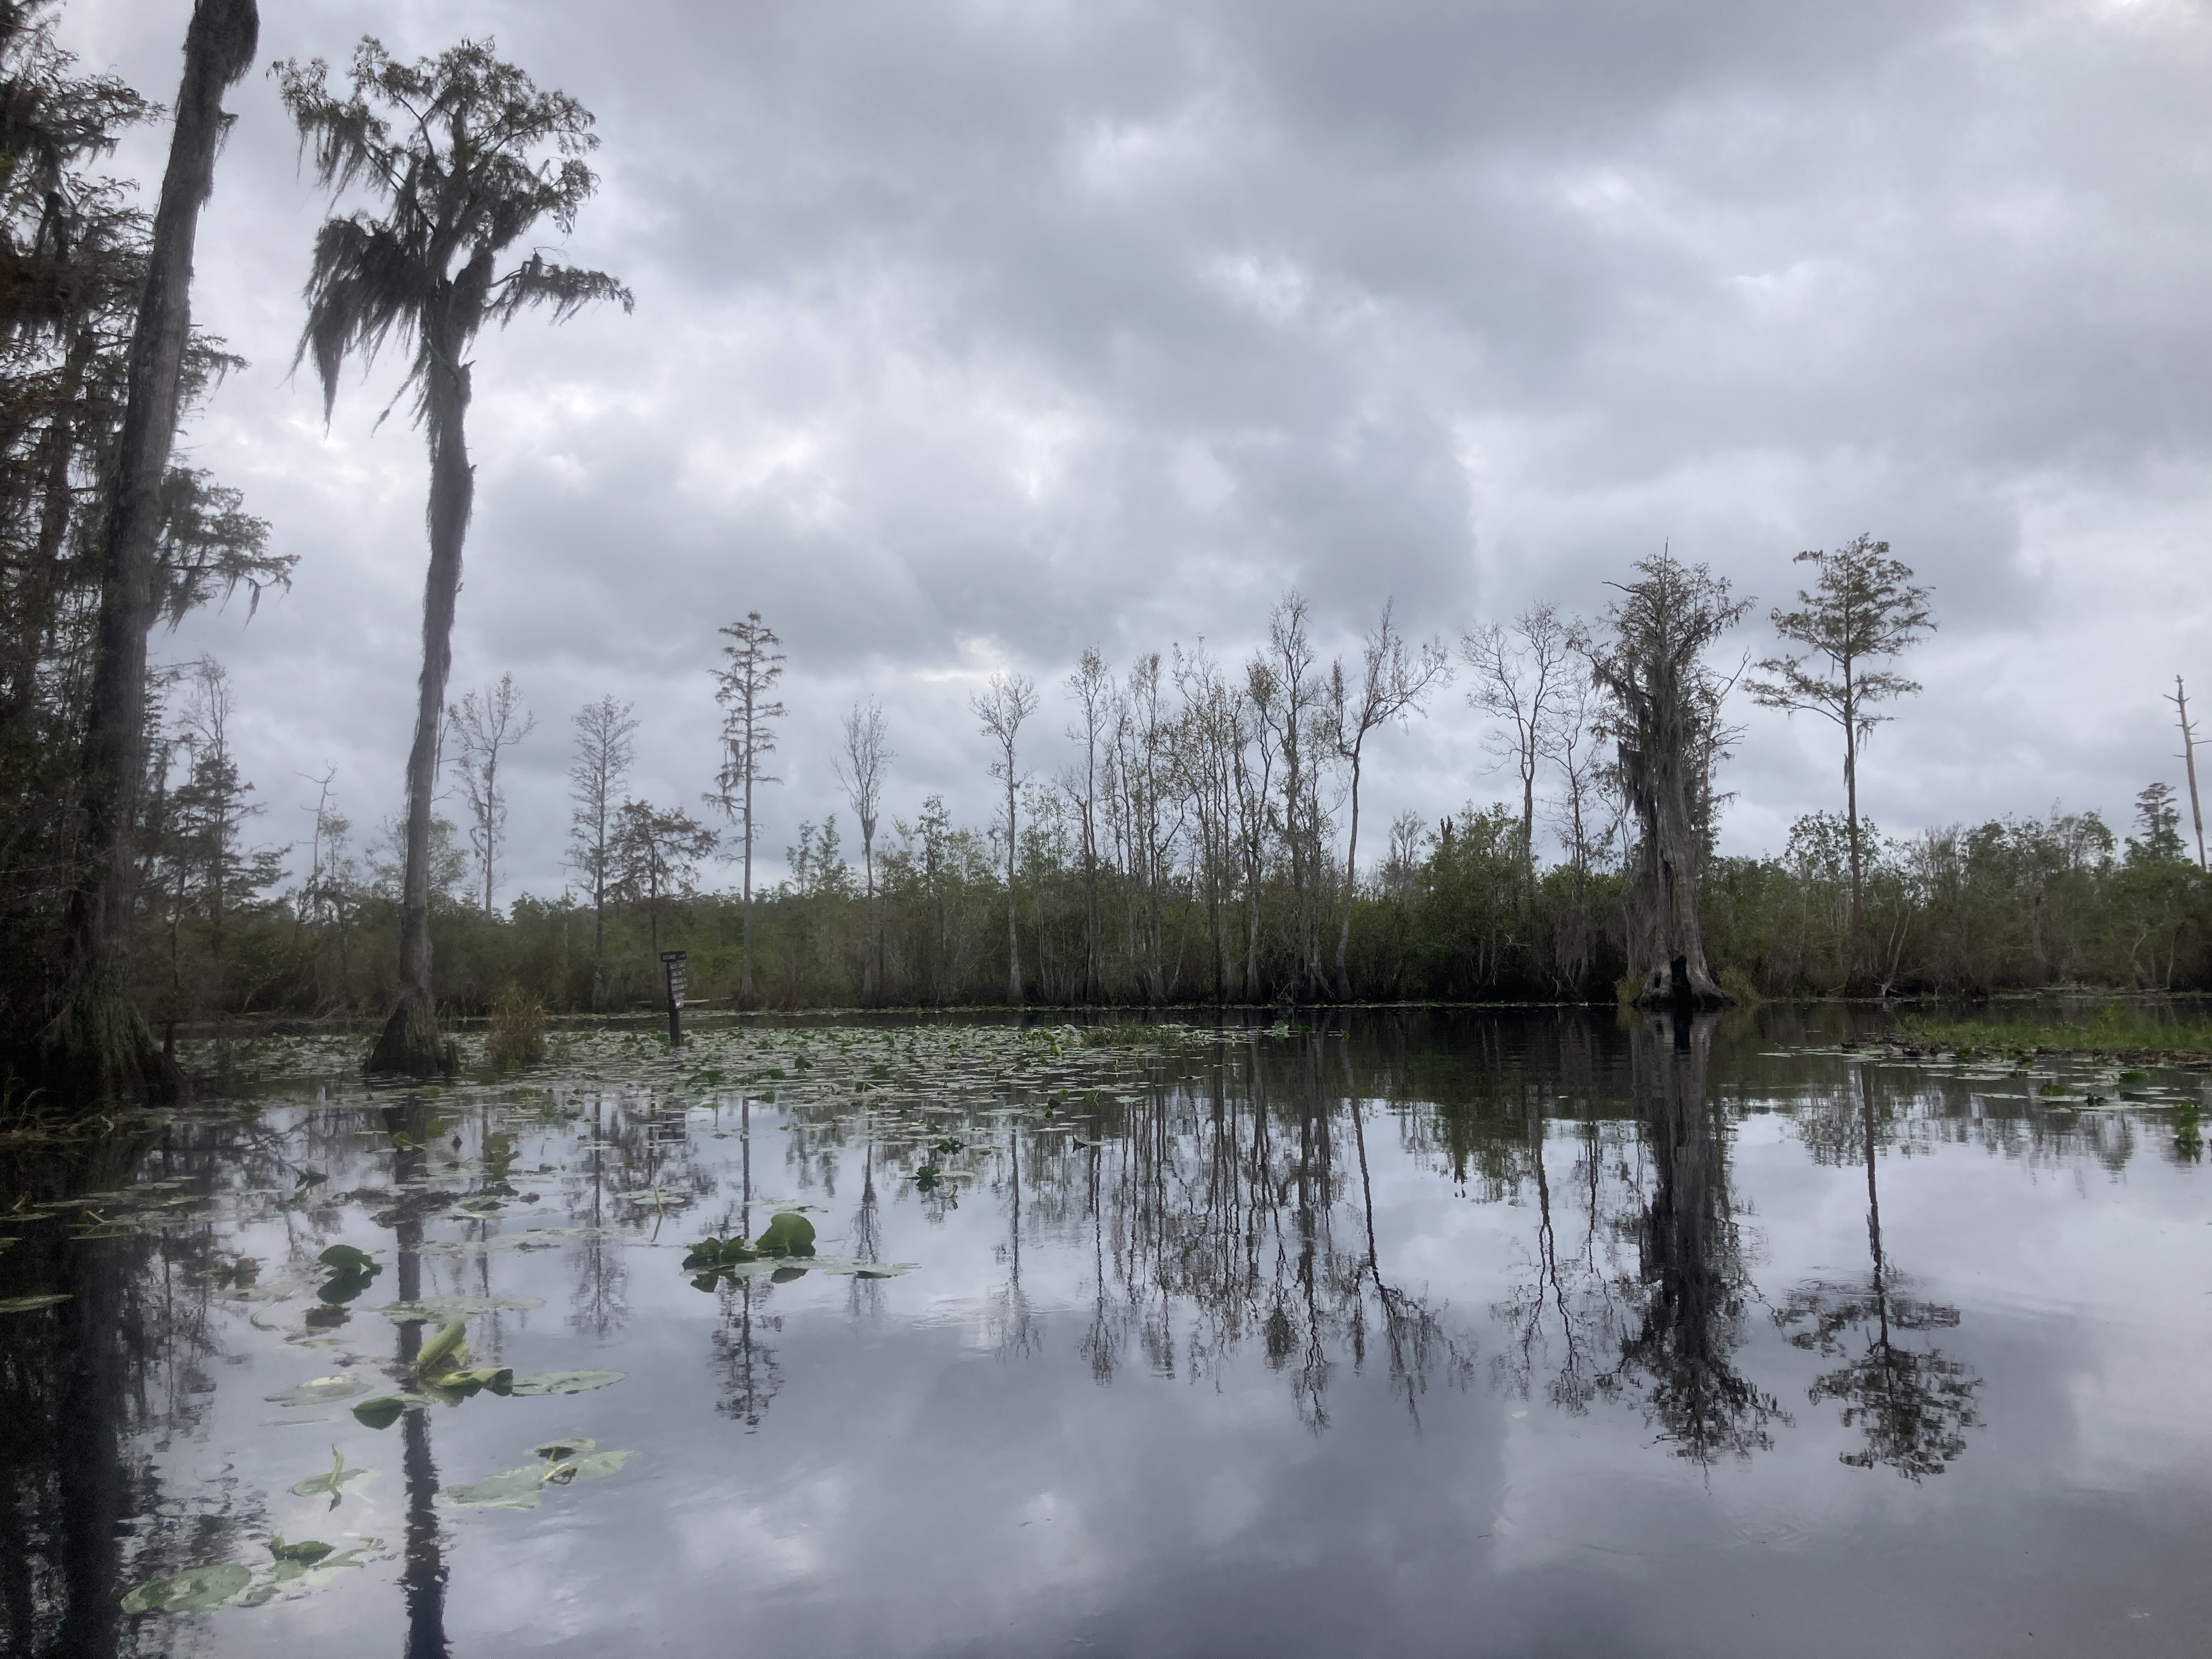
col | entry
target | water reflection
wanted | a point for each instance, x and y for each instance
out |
(1912, 1404)
(1312, 1236)
(1687, 1320)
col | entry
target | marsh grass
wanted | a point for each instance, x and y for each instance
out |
(517, 1034)
(2116, 1031)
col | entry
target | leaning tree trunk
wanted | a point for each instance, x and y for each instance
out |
(409, 1043)
(97, 1045)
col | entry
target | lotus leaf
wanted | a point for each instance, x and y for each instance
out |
(345, 1259)
(579, 1381)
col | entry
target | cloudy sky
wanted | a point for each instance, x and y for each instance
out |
(972, 333)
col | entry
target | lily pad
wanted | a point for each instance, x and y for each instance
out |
(198, 1590)
(520, 1489)
(580, 1381)
(786, 1234)
(384, 1410)
(318, 1390)
(347, 1260)
(31, 1303)
(442, 1310)
(307, 1552)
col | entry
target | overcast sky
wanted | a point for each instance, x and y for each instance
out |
(971, 334)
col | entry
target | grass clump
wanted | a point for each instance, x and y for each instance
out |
(517, 1037)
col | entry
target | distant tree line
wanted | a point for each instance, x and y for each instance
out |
(1197, 847)
(1203, 840)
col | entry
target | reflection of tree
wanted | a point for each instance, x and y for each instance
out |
(1913, 1404)
(86, 1389)
(1572, 1297)
(1688, 1321)
(751, 1374)
(1411, 1333)
(1020, 1333)
(423, 1571)
(600, 1301)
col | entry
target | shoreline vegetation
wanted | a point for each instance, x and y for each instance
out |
(1193, 835)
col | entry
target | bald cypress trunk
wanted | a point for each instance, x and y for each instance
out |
(409, 1043)
(97, 1045)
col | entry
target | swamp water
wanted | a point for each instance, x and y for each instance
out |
(1420, 1333)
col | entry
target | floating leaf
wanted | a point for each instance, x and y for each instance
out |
(384, 1410)
(580, 1381)
(307, 1552)
(320, 1390)
(31, 1303)
(439, 1310)
(445, 1351)
(345, 1259)
(561, 1464)
(200, 1589)
(786, 1234)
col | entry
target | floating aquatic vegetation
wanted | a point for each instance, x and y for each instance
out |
(31, 1304)
(384, 1410)
(441, 1310)
(197, 1590)
(576, 1382)
(318, 1391)
(560, 1463)
(787, 1233)
(291, 1567)
(333, 1480)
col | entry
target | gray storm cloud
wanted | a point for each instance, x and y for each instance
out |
(971, 335)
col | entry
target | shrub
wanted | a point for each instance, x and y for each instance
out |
(517, 1036)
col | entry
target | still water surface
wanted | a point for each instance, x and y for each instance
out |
(1431, 1333)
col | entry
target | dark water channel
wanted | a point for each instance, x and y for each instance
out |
(1544, 1335)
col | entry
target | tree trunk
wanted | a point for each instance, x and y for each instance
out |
(1351, 872)
(97, 1045)
(410, 1044)
(1013, 938)
(1851, 815)
(1670, 966)
(746, 909)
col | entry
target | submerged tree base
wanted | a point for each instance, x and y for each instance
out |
(1681, 988)
(410, 1045)
(98, 1050)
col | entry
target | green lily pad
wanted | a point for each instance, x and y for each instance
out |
(580, 1381)
(347, 1260)
(520, 1489)
(307, 1552)
(786, 1234)
(318, 1390)
(31, 1303)
(384, 1410)
(198, 1590)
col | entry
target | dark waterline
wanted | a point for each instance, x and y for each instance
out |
(1428, 1332)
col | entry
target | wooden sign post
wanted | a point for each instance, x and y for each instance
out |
(676, 965)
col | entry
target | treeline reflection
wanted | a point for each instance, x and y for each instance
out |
(1246, 1208)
